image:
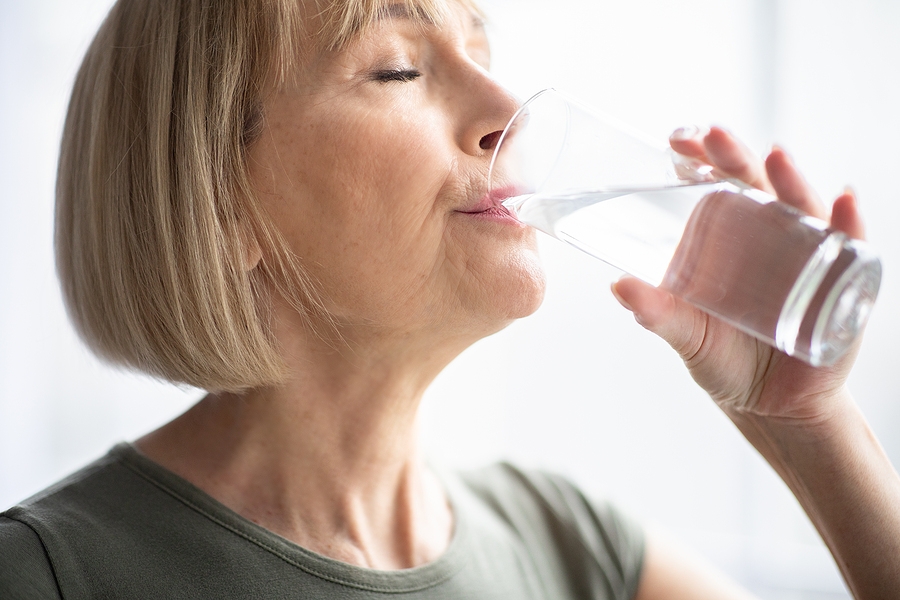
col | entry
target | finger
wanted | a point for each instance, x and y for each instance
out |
(688, 141)
(678, 323)
(734, 159)
(690, 160)
(790, 186)
(845, 215)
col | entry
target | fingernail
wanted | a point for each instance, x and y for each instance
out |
(781, 149)
(719, 129)
(849, 191)
(684, 133)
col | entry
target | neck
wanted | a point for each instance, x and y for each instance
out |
(329, 460)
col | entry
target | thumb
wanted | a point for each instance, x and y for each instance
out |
(658, 311)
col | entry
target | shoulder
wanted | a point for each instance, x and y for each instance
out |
(87, 495)
(25, 569)
(551, 513)
(65, 533)
(536, 493)
(505, 482)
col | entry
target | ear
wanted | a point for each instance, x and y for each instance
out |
(252, 253)
(252, 256)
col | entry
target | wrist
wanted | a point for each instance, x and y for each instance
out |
(809, 415)
(825, 440)
(827, 424)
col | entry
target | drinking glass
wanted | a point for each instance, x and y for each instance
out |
(735, 252)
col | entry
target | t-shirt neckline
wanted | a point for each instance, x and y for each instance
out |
(401, 581)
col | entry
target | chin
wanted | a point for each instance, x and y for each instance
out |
(521, 292)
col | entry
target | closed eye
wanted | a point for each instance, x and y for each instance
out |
(400, 75)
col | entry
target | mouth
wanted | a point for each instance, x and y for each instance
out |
(491, 205)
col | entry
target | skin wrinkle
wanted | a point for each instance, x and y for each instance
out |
(443, 259)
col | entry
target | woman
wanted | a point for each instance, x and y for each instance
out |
(285, 203)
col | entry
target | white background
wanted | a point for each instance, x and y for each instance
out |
(578, 387)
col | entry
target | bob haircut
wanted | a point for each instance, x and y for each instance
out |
(156, 216)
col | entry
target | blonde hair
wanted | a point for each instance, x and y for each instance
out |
(156, 214)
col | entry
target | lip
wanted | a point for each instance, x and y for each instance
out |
(491, 206)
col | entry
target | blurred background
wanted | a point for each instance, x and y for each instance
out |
(578, 387)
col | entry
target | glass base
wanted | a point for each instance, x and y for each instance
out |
(830, 303)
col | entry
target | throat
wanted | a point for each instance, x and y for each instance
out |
(400, 527)
(366, 499)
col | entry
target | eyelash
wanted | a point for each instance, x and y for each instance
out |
(400, 75)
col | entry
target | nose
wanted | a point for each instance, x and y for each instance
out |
(489, 141)
(486, 109)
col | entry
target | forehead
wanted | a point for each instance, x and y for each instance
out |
(341, 22)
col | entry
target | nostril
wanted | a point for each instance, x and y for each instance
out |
(489, 141)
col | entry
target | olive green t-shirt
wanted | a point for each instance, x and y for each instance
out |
(124, 527)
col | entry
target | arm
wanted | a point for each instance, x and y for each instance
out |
(672, 572)
(846, 484)
(800, 418)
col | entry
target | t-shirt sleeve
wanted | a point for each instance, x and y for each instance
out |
(610, 536)
(608, 531)
(25, 570)
(590, 544)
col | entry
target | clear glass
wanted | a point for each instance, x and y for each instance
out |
(779, 275)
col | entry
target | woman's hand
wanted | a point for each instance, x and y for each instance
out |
(800, 418)
(742, 374)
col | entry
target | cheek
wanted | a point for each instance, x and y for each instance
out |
(359, 208)
(380, 192)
